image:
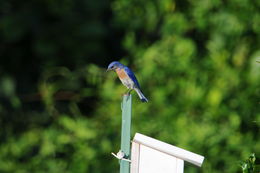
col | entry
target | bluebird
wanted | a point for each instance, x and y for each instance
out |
(127, 77)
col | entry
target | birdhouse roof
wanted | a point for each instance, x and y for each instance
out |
(169, 149)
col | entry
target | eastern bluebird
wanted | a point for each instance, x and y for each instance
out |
(127, 77)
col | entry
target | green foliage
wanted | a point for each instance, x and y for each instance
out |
(195, 61)
(200, 76)
(249, 165)
(58, 148)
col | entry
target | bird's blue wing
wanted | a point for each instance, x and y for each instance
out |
(131, 76)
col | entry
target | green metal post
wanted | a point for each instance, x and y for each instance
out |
(126, 132)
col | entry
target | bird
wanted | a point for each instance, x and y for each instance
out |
(127, 78)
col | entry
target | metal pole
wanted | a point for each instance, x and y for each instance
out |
(126, 132)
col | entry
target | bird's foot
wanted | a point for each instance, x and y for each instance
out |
(128, 92)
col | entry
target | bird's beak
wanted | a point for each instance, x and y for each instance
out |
(108, 69)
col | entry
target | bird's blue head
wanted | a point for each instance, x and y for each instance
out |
(114, 65)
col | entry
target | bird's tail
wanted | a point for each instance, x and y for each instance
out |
(140, 94)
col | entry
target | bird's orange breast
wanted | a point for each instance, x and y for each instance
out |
(121, 73)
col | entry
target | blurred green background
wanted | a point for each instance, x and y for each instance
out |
(195, 61)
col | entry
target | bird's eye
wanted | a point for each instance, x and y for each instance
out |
(112, 67)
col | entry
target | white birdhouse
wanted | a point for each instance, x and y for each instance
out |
(149, 155)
